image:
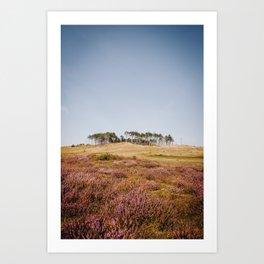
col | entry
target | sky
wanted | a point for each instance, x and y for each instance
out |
(141, 78)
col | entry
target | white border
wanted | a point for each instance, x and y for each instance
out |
(209, 20)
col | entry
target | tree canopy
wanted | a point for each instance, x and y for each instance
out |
(135, 137)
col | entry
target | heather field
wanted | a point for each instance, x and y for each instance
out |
(131, 191)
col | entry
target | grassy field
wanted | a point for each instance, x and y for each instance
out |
(129, 191)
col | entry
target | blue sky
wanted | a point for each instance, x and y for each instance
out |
(127, 78)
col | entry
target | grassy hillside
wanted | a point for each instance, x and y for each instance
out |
(175, 154)
(132, 191)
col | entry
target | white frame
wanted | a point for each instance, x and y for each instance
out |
(209, 20)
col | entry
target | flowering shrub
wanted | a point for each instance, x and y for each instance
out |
(118, 198)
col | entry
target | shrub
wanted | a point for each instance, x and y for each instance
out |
(107, 156)
(92, 227)
(129, 199)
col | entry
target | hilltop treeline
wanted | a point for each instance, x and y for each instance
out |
(135, 137)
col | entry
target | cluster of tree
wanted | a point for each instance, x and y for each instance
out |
(147, 138)
(104, 138)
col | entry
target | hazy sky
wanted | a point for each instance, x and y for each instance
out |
(127, 78)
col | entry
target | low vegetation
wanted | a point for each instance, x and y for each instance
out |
(128, 191)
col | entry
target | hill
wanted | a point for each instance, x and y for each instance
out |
(129, 191)
(182, 155)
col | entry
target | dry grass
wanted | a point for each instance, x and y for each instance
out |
(175, 154)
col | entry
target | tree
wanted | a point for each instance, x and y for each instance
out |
(148, 136)
(160, 138)
(131, 136)
(104, 138)
(168, 139)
